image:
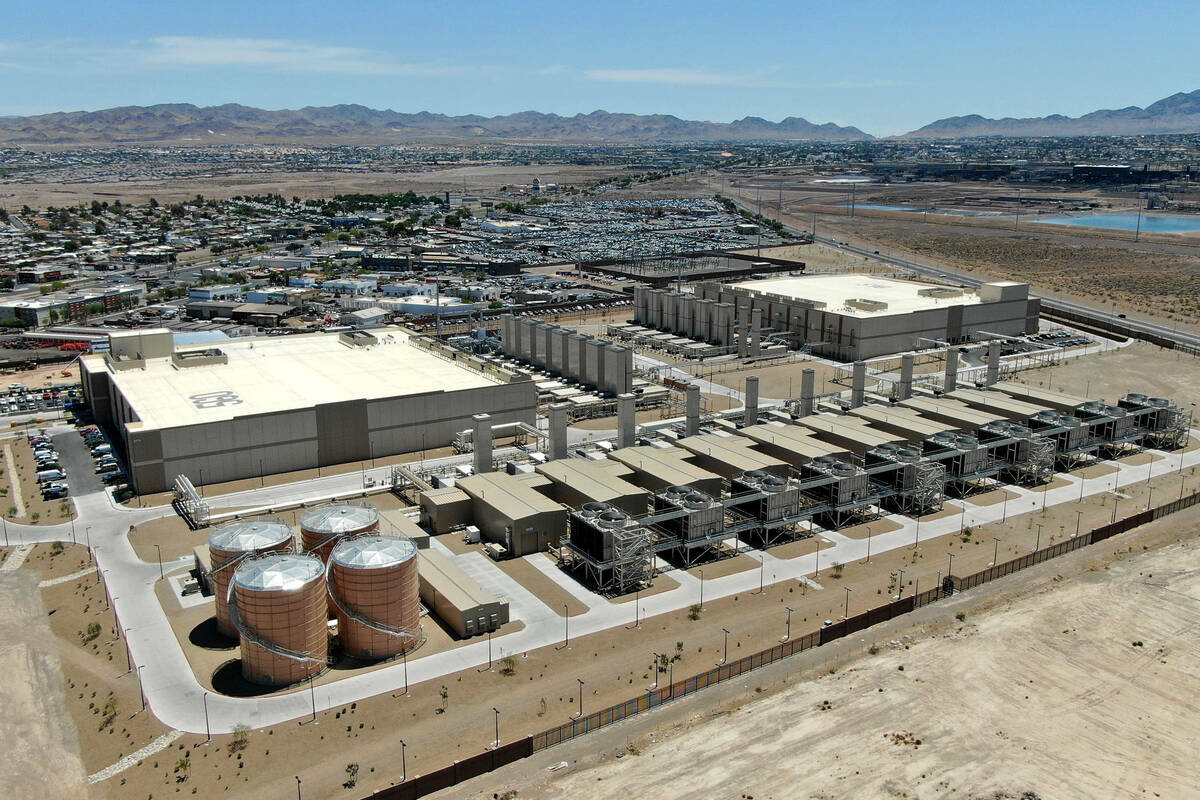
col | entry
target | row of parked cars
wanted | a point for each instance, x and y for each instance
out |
(51, 476)
(102, 453)
(21, 400)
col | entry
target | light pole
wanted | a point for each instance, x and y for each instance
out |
(637, 601)
(1037, 545)
(655, 668)
(160, 569)
(725, 657)
(996, 552)
(817, 563)
(762, 568)
(87, 532)
(868, 561)
(207, 729)
(1004, 510)
(497, 742)
(141, 691)
(847, 614)
(566, 627)
(901, 594)
(701, 589)
(788, 634)
(939, 583)
(950, 569)
(403, 762)
(298, 797)
(1149, 495)
(580, 697)
(1078, 517)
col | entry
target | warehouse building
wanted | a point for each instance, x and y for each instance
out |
(456, 598)
(659, 468)
(263, 406)
(511, 513)
(848, 317)
(576, 481)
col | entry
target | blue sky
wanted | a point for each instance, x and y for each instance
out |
(886, 67)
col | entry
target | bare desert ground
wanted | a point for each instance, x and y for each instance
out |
(1082, 687)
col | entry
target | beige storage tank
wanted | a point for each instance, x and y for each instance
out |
(322, 527)
(232, 542)
(374, 591)
(277, 603)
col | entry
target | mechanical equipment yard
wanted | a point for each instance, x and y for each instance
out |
(822, 505)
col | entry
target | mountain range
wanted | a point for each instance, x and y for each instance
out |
(232, 123)
(182, 123)
(1179, 113)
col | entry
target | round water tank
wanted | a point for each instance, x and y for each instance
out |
(374, 583)
(280, 610)
(234, 541)
(321, 527)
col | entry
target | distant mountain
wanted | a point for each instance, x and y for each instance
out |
(232, 123)
(1179, 113)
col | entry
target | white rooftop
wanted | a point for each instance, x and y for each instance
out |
(272, 374)
(901, 297)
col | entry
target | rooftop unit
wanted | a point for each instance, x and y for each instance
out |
(1166, 422)
(702, 519)
(963, 456)
(612, 548)
(1068, 432)
(918, 483)
(848, 484)
(774, 498)
(1107, 424)
(1026, 456)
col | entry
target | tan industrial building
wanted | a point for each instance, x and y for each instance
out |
(511, 513)
(791, 443)
(729, 455)
(656, 468)
(849, 317)
(249, 407)
(576, 481)
(458, 600)
(444, 509)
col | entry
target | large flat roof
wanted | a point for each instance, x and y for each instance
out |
(272, 374)
(834, 291)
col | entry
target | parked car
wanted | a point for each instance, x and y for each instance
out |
(101, 449)
(49, 475)
(111, 466)
(114, 478)
(55, 491)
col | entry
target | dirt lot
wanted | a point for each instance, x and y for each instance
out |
(477, 178)
(1042, 683)
(1108, 376)
(40, 757)
(777, 381)
(1148, 278)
